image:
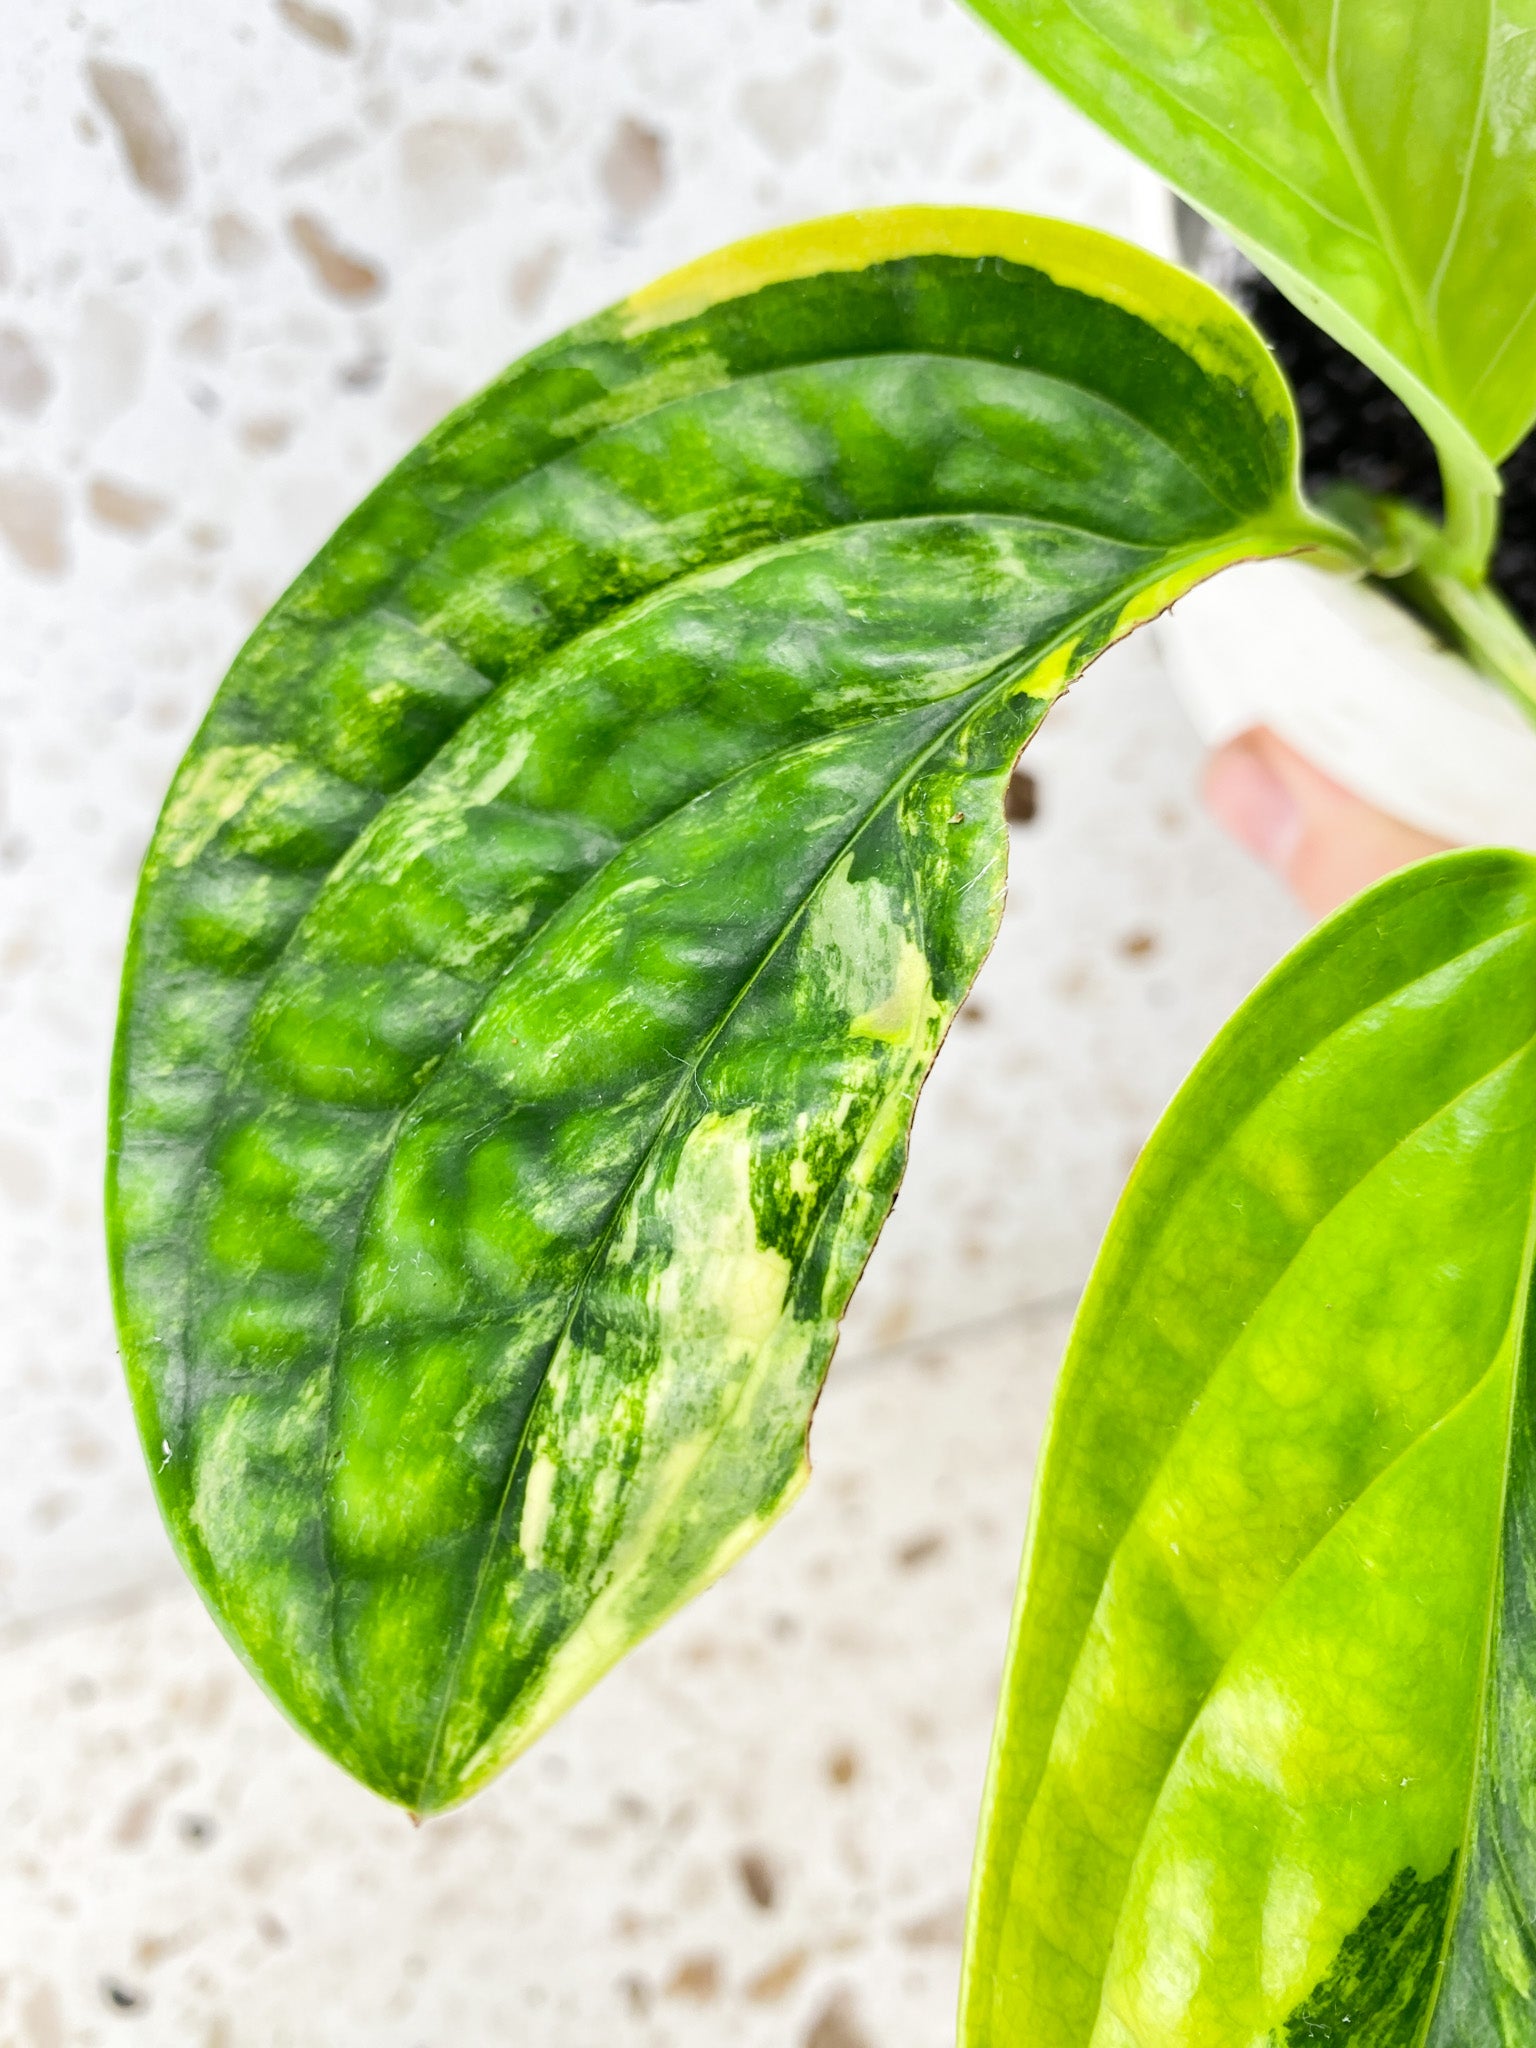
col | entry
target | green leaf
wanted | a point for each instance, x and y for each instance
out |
(1376, 158)
(549, 929)
(1265, 1767)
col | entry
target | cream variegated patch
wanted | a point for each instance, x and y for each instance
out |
(859, 956)
(216, 790)
(538, 1498)
(721, 1290)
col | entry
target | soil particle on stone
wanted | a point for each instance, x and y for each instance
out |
(837, 2026)
(1021, 799)
(758, 1878)
(120, 1997)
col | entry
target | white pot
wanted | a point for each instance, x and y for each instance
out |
(1363, 690)
(1352, 681)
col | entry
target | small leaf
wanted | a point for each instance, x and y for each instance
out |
(1263, 1766)
(549, 930)
(1378, 161)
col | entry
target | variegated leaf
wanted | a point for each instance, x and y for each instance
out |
(549, 930)
(1265, 1769)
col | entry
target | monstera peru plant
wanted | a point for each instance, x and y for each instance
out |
(550, 928)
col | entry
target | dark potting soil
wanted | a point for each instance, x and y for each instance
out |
(1354, 428)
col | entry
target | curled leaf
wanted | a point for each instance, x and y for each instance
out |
(549, 930)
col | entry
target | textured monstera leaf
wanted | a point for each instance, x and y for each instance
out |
(1265, 1770)
(549, 930)
(1377, 158)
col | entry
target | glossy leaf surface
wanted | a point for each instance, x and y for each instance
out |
(1377, 158)
(548, 932)
(1265, 1768)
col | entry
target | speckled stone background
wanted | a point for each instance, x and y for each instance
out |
(248, 252)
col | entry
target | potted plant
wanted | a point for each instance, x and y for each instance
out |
(1346, 671)
(549, 930)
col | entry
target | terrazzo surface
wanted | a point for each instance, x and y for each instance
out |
(757, 1831)
(247, 255)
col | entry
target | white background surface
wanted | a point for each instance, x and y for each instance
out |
(190, 397)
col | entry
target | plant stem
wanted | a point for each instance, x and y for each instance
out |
(1472, 489)
(1420, 561)
(1482, 624)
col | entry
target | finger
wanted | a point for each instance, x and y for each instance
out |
(1327, 843)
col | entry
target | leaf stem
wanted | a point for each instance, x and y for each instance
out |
(1407, 550)
(1482, 625)
(1472, 490)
